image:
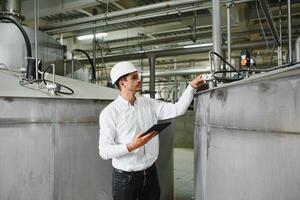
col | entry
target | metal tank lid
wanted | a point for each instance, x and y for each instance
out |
(10, 87)
(290, 71)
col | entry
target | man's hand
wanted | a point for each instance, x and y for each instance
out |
(197, 82)
(140, 140)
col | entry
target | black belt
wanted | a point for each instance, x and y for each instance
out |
(144, 172)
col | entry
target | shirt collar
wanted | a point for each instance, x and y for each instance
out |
(125, 101)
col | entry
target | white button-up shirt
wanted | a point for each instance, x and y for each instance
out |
(120, 122)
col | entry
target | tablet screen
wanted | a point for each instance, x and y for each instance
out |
(157, 127)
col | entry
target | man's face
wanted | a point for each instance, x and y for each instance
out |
(132, 82)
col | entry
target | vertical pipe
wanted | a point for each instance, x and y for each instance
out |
(297, 49)
(175, 82)
(36, 26)
(72, 68)
(290, 31)
(152, 77)
(94, 50)
(280, 36)
(217, 43)
(229, 33)
(94, 46)
(142, 69)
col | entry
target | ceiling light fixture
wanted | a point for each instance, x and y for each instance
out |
(198, 45)
(91, 36)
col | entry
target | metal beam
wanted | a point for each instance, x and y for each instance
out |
(265, 7)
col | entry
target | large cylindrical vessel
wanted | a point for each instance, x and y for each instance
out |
(13, 48)
(247, 139)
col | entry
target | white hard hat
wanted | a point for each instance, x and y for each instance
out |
(120, 69)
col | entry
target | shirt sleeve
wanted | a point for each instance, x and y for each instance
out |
(169, 110)
(108, 148)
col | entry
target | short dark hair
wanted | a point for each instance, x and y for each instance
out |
(122, 78)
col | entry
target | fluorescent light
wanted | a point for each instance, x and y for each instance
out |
(91, 36)
(199, 45)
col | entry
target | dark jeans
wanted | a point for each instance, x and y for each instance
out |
(136, 185)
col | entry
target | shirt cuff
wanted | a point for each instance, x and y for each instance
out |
(191, 89)
(125, 149)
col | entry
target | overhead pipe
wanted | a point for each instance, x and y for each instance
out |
(123, 20)
(181, 51)
(216, 32)
(125, 12)
(178, 72)
(73, 25)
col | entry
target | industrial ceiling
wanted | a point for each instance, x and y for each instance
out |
(139, 29)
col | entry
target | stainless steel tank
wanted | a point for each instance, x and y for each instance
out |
(49, 144)
(247, 139)
(13, 48)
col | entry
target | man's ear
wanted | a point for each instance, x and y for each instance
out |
(121, 83)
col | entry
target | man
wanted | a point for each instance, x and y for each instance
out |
(122, 123)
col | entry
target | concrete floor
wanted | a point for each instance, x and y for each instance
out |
(183, 174)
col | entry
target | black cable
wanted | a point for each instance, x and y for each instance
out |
(44, 72)
(58, 86)
(226, 62)
(91, 62)
(223, 79)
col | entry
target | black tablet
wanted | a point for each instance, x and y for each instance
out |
(157, 127)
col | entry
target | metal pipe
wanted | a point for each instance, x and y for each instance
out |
(178, 72)
(120, 13)
(72, 68)
(216, 32)
(182, 51)
(53, 69)
(290, 31)
(122, 20)
(94, 47)
(36, 26)
(12, 7)
(280, 36)
(73, 26)
(229, 33)
(94, 54)
(297, 49)
(152, 77)
(175, 97)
